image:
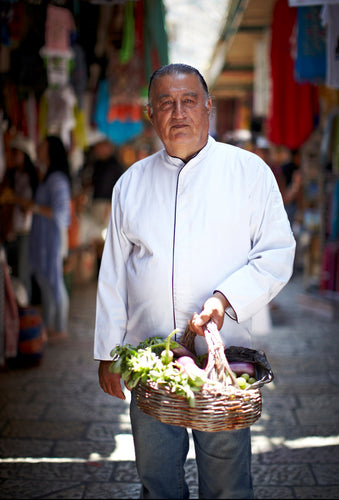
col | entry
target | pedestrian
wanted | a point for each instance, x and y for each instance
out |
(198, 231)
(292, 185)
(21, 179)
(99, 174)
(48, 237)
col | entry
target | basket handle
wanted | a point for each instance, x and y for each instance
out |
(217, 361)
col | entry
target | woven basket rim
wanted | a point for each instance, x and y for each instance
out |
(211, 413)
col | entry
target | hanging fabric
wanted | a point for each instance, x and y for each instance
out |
(58, 29)
(118, 131)
(155, 36)
(128, 35)
(56, 113)
(294, 107)
(330, 19)
(310, 64)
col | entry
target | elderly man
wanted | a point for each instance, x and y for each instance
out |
(198, 231)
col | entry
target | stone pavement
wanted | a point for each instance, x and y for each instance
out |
(62, 437)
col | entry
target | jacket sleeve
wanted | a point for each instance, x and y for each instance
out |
(270, 260)
(111, 303)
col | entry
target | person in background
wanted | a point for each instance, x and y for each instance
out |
(21, 181)
(265, 150)
(292, 185)
(99, 176)
(198, 232)
(48, 243)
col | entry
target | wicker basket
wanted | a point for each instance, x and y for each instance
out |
(220, 407)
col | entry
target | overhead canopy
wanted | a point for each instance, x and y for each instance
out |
(231, 72)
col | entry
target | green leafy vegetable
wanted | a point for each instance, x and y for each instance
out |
(152, 361)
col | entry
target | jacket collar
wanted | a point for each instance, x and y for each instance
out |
(178, 163)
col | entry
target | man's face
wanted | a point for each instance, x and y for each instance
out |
(179, 111)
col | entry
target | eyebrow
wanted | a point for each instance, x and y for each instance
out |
(191, 94)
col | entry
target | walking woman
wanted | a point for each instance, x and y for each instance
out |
(48, 237)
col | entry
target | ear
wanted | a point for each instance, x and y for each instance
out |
(209, 105)
(149, 112)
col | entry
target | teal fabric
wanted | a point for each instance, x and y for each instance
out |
(155, 36)
(118, 132)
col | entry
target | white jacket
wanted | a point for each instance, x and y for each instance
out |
(179, 232)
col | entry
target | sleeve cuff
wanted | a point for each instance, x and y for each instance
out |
(231, 312)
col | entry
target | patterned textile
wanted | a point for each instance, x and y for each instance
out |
(31, 335)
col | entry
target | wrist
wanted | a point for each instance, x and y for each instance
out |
(222, 299)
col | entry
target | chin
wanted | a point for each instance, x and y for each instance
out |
(180, 138)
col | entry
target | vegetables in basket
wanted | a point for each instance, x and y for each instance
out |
(153, 361)
(165, 362)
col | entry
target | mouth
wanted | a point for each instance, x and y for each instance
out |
(179, 126)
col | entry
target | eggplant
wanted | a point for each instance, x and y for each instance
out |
(182, 351)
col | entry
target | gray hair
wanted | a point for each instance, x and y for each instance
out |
(177, 68)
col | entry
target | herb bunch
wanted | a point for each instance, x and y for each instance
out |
(152, 361)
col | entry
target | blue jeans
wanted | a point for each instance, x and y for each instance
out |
(223, 459)
(54, 314)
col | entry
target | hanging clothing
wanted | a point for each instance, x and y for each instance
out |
(119, 132)
(294, 107)
(58, 29)
(261, 77)
(155, 36)
(310, 64)
(57, 113)
(330, 19)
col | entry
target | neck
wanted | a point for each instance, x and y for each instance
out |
(184, 156)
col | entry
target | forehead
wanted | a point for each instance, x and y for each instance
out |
(176, 83)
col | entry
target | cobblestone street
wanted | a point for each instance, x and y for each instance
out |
(62, 437)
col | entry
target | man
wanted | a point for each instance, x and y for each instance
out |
(198, 226)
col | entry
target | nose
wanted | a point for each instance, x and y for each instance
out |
(178, 109)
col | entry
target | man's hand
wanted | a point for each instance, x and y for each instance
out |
(213, 309)
(110, 382)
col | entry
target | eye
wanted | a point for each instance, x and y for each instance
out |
(166, 105)
(189, 102)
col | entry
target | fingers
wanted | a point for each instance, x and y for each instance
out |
(110, 382)
(197, 322)
(214, 310)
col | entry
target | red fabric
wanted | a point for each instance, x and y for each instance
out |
(139, 27)
(293, 106)
(17, 21)
(125, 112)
(329, 267)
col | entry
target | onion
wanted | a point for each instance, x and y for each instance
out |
(190, 367)
(240, 367)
